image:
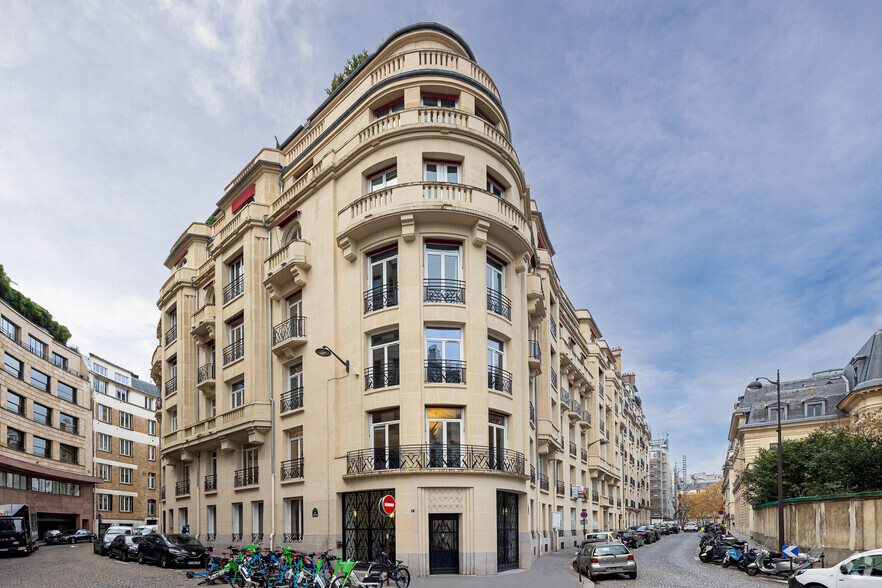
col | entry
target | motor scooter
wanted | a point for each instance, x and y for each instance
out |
(774, 563)
(737, 555)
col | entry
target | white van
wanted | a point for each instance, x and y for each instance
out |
(146, 529)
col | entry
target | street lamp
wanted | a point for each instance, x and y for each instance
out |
(755, 385)
(325, 351)
(601, 441)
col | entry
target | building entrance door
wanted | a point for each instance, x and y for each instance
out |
(506, 531)
(443, 544)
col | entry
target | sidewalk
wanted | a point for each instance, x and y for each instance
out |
(550, 569)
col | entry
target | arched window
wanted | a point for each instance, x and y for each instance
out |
(292, 233)
(209, 295)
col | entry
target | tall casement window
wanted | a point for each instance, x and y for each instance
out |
(497, 301)
(383, 179)
(444, 362)
(439, 100)
(237, 394)
(236, 279)
(383, 370)
(12, 366)
(292, 399)
(247, 476)
(385, 439)
(296, 326)
(236, 336)
(105, 502)
(15, 403)
(123, 394)
(171, 333)
(442, 171)
(9, 328)
(389, 108)
(295, 376)
(68, 423)
(37, 347)
(382, 279)
(442, 269)
(104, 442)
(497, 377)
(42, 447)
(293, 468)
(444, 436)
(173, 420)
(497, 430)
(59, 361)
(103, 413)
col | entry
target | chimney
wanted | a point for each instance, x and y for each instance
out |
(630, 378)
(617, 356)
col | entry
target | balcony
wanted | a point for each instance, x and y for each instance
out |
(171, 385)
(380, 297)
(532, 474)
(498, 303)
(559, 488)
(444, 291)
(585, 421)
(552, 327)
(205, 374)
(535, 297)
(601, 467)
(382, 375)
(234, 351)
(445, 371)
(544, 483)
(288, 336)
(480, 458)
(292, 469)
(595, 496)
(532, 414)
(498, 379)
(572, 449)
(565, 397)
(553, 379)
(182, 488)
(534, 354)
(202, 322)
(286, 269)
(171, 335)
(210, 483)
(245, 477)
(584, 454)
(291, 400)
(234, 289)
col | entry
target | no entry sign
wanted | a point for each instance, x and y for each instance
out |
(387, 505)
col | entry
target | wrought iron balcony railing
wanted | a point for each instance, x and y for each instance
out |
(441, 290)
(234, 288)
(291, 400)
(565, 396)
(211, 536)
(498, 379)
(532, 474)
(171, 335)
(381, 375)
(553, 327)
(245, 477)
(236, 537)
(380, 297)
(532, 412)
(572, 449)
(205, 372)
(234, 351)
(498, 303)
(553, 379)
(586, 416)
(559, 487)
(289, 328)
(182, 488)
(543, 482)
(292, 537)
(445, 371)
(584, 454)
(171, 385)
(210, 483)
(292, 469)
(431, 456)
(534, 351)
(256, 537)
(162, 493)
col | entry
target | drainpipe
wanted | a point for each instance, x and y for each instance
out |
(269, 306)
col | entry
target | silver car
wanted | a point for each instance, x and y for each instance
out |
(598, 559)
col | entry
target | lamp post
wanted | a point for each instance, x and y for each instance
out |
(755, 385)
(325, 351)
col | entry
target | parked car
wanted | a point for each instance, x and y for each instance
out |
(631, 539)
(169, 549)
(654, 529)
(101, 545)
(664, 529)
(600, 537)
(647, 534)
(52, 537)
(863, 569)
(691, 526)
(77, 536)
(146, 529)
(124, 547)
(597, 559)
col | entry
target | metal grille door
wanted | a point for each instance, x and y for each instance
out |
(443, 544)
(506, 531)
(364, 528)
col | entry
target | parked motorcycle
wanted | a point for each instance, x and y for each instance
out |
(716, 549)
(736, 555)
(774, 563)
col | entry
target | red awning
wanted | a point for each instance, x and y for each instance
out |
(241, 200)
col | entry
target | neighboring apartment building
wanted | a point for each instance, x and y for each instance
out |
(46, 426)
(126, 446)
(663, 494)
(695, 482)
(374, 311)
(821, 401)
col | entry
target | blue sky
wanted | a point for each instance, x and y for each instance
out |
(710, 172)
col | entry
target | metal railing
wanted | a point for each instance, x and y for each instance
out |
(445, 371)
(572, 449)
(68, 428)
(498, 303)
(236, 537)
(532, 474)
(234, 288)
(565, 396)
(559, 488)
(182, 488)
(171, 335)
(289, 328)
(292, 537)
(171, 385)
(245, 477)
(543, 482)
(453, 456)
(553, 327)
(234, 351)
(382, 375)
(380, 297)
(498, 379)
(210, 483)
(553, 379)
(533, 350)
(292, 469)
(205, 372)
(211, 536)
(441, 290)
(584, 454)
(162, 493)
(532, 412)
(586, 416)
(291, 400)
(256, 537)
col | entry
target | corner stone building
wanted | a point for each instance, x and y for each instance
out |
(373, 310)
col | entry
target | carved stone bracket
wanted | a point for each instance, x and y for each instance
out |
(408, 227)
(479, 233)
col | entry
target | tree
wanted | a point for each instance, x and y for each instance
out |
(705, 504)
(821, 464)
(30, 309)
(351, 65)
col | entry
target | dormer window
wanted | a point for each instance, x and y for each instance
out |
(440, 100)
(814, 408)
(773, 413)
(389, 108)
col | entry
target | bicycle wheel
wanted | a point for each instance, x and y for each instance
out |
(402, 578)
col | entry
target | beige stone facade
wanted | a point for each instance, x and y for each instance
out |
(126, 446)
(46, 427)
(374, 310)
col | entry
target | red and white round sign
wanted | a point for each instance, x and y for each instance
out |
(387, 505)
